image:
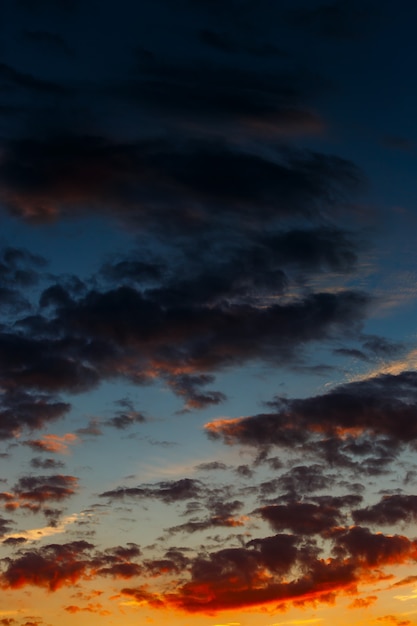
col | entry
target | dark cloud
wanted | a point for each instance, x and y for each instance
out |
(281, 569)
(222, 513)
(217, 99)
(92, 429)
(340, 502)
(20, 267)
(244, 470)
(5, 525)
(53, 566)
(126, 417)
(34, 491)
(372, 348)
(300, 479)
(194, 526)
(211, 465)
(173, 561)
(188, 386)
(14, 541)
(12, 302)
(374, 549)
(352, 353)
(314, 250)
(239, 235)
(147, 180)
(117, 562)
(183, 316)
(382, 347)
(200, 338)
(302, 518)
(136, 271)
(41, 363)
(383, 406)
(167, 491)
(20, 410)
(50, 464)
(250, 272)
(391, 510)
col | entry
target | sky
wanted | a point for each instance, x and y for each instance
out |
(208, 347)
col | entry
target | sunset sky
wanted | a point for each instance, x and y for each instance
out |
(208, 338)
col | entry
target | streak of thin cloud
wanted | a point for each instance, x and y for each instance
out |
(395, 367)
(36, 534)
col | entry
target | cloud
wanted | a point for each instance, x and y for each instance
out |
(300, 479)
(37, 534)
(92, 429)
(267, 571)
(53, 566)
(20, 267)
(43, 488)
(51, 464)
(20, 410)
(173, 561)
(391, 510)
(396, 621)
(222, 513)
(363, 603)
(229, 98)
(221, 293)
(145, 181)
(126, 416)
(302, 518)
(5, 526)
(35, 363)
(211, 465)
(188, 387)
(167, 491)
(92, 607)
(57, 444)
(181, 339)
(381, 406)
(375, 549)
(33, 493)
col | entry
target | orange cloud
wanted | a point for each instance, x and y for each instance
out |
(267, 571)
(57, 444)
(90, 608)
(363, 603)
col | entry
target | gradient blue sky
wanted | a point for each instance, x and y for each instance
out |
(208, 409)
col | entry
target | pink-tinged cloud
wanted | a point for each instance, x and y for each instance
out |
(57, 444)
